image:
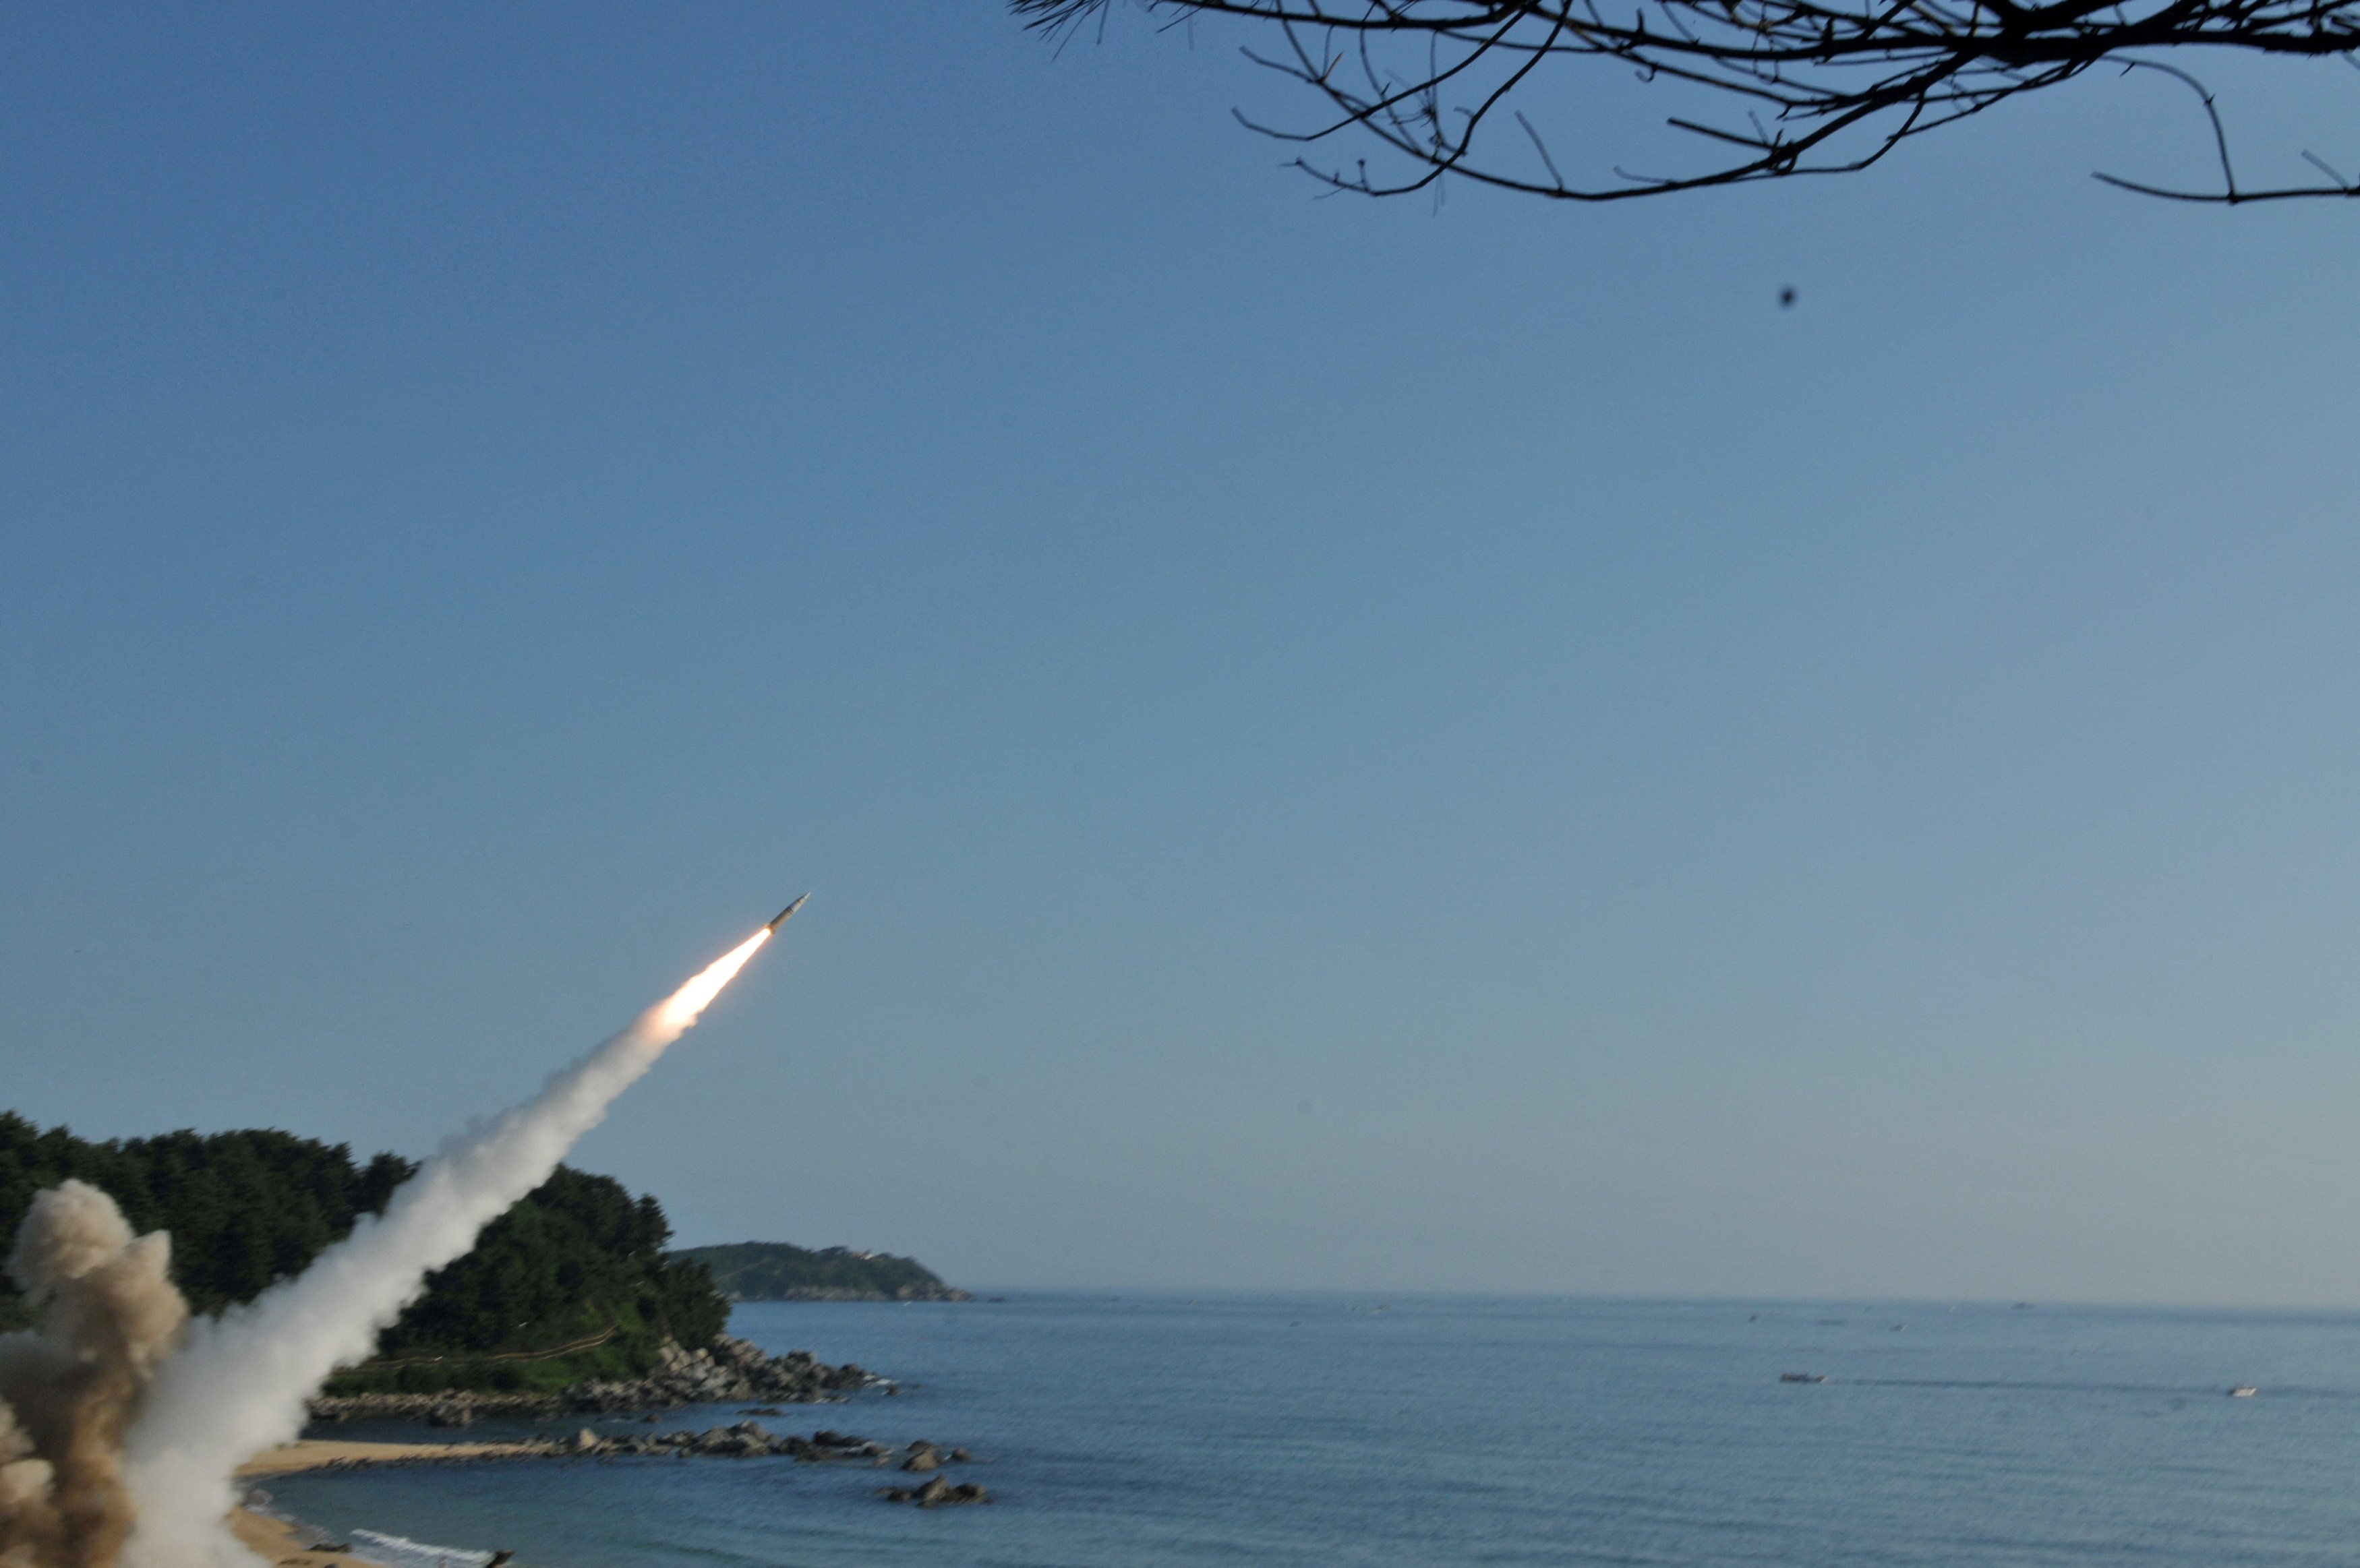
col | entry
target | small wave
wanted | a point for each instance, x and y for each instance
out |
(400, 1551)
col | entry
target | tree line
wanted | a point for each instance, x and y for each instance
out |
(578, 1259)
(780, 1271)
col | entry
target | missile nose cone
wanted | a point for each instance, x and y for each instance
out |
(781, 917)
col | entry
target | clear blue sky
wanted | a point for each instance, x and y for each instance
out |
(1334, 743)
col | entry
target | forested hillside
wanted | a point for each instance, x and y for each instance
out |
(578, 1260)
(780, 1271)
(577, 1269)
(245, 1208)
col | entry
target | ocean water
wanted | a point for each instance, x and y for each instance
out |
(1340, 1429)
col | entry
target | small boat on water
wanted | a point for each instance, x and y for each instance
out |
(1802, 1376)
(2244, 1391)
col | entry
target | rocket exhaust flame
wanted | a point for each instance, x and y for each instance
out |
(678, 1012)
(239, 1384)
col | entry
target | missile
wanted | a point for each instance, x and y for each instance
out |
(781, 916)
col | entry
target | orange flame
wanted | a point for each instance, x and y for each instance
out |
(682, 1009)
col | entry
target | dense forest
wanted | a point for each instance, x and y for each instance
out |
(570, 1283)
(779, 1271)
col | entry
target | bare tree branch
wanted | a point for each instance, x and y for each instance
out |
(1833, 86)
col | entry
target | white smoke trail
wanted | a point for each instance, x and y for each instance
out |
(239, 1387)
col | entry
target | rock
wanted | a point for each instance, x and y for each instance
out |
(587, 1441)
(960, 1456)
(936, 1494)
(921, 1461)
(732, 1369)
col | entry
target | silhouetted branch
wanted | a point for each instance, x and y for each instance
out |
(1834, 85)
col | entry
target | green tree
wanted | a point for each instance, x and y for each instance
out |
(579, 1259)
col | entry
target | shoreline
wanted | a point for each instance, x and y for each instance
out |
(286, 1544)
(318, 1452)
(728, 1369)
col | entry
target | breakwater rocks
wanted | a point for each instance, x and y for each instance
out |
(732, 1369)
(749, 1440)
(919, 1457)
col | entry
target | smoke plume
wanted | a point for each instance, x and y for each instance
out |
(238, 1385)
(69, 1391)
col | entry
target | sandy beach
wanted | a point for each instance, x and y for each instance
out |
(311, 1453)
(288, 1546)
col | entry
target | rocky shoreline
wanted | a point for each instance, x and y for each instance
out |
(732, 1369)
(747, 1439)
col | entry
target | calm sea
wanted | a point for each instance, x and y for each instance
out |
(1402, 1431)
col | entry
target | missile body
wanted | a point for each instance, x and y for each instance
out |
(780, 919)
